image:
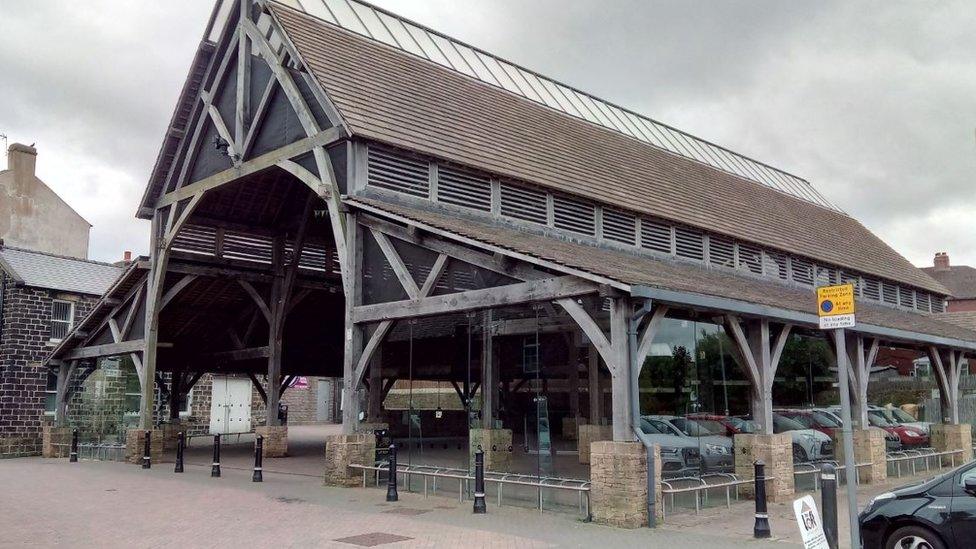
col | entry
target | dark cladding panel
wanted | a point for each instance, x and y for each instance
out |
(208, 160)
(279, 127)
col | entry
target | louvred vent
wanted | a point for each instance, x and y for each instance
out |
(463, 188)
(689, 243)
(397, 172)
(619, 226)
(522, 203)
(655, 236)
(574, 215)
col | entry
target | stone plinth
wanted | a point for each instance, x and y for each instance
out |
(618, 489)
(275, 440)
(135, 440)
(588, 434)
(953, 438)
(56, 442)
(776, 452)
(570, 427)
(341, 451)
(869, 447)
(171, 435)
(497, 445)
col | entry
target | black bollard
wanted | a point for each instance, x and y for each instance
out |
(147, 446)
(761, 529)
(828, 501)
(73, 456)
(215, 470)
(180, 444)
(479, 482)
(391, 482)
(258, 456)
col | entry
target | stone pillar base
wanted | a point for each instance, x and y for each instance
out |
(497, 445)
(171, 434)
(588, 434)
(776, 452)
(135, 440)
(618, 489)
(275, 440)
(949, 438)
(56, 442)
(570, 427)
(869, 447)
(341, 451)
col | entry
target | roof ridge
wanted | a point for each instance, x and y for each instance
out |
(742, 166)
(58, 256)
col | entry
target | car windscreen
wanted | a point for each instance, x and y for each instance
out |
(698, 427)
(744, 425)
(782, 424)
(649, 428)
(878, 420)
(825, 420)
(902, 415)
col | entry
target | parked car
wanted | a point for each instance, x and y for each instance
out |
(910, 437)
(808, 444)
(680, 456)
(901, 417)
(813, 419)
(892, 440)
(938, 514)
(709, 435)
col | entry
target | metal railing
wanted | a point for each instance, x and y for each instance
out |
(814, 467)
(92, 451)
(924, 455)
(700, 487)
(432, 474)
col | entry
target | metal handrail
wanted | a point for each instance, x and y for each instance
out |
(912, 456)
(499, 479)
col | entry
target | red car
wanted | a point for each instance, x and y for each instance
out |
(911, 437)
(733, 425)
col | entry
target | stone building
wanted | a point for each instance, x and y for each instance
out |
(42, 297)
(34, 217)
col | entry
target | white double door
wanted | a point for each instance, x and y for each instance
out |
(230, 405)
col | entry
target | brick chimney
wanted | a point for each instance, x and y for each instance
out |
(21, 159)
(941, 262)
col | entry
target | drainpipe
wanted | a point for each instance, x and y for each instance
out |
(3, 291)
(632, 325)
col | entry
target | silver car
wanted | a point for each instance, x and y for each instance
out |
(808, 444)
(716, 448)
(680, 456)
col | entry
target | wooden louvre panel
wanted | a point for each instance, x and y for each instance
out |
(388, 169)
(826, 276)
(850, 278)
(522, 203)
(619, 226)
(689, 243)
(197, 239)
(461, 187)
(721, 251)
(872, 289)
(938, 305)
(922, 301)
(801, 271)
(247, 247)
(573, 215)
(775, 265)
(905, 297)
(656, 236)
(750, 258)
(890, 292)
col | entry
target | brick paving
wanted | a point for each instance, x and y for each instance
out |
(50, 502)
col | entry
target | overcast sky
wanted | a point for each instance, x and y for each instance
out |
(873, 102)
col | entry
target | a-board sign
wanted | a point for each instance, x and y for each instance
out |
(835, 306)
(811, 527)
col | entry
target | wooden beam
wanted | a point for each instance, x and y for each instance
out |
(646, 338)
(109, 349)
(592, 330)
(175, 290)
(397, 264)
(256, 297)
(259, 387)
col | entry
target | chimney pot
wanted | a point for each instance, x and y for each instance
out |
(941, 262)
(127, 256)
(21, 159)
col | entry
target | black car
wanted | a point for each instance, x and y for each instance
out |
(939, 513)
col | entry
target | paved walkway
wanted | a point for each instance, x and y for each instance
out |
(45, 503)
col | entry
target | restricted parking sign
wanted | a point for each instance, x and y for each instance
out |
(835, 306)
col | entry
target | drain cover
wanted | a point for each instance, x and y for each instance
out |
(408, 511)
(372, 539)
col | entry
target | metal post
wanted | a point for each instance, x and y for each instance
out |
(258, 456)
(828, 501)
(180, 444)
(215, 470)
(840, 345)
(479, 482)
(391, 481)
(146, 461)
(73, 457)
(761, 529)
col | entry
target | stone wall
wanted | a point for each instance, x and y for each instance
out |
(588, 434)
(869, 447)
(618, 489)
(776, 452)
(25, 340)
(497, 446)
(949, 438)
(344, 450)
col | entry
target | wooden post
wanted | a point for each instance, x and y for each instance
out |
(275, 332)
(175, 388)
(64, 382)
(593, 378)
(353, 337)
(574, 382)
(159, 258)
(376, 387)
(621, 398)
(489, 384)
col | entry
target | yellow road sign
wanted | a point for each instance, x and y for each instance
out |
(835, 305)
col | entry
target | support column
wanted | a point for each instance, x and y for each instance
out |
(953, 438)
(776, 451)
(947, 365)
(622, 397)
(759, 359)
(353, 337)
(572, 422)
(489, 375)
(158, 261)
(497, 446)
(375, 401)
(593, 379)
(618, 483)
(341, 451)
(65, 372)
(275, 333)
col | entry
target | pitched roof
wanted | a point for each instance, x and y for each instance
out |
(388, 95)
(959, 279)
(631, 269)
(966, 319)
(55, 272)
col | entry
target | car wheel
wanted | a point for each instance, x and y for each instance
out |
(913, 537)
(799, 454)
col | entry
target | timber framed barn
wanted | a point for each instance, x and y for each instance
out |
(342, 192)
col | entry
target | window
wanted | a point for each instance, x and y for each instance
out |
(530, 355)
(133, 392)
(186, 401)
(62, 318)
(50, 393)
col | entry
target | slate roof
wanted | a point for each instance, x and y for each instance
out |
(644, 270)
(55, 272)
(966, 319)
(959, 279)
(394, 97)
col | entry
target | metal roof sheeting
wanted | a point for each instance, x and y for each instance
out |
(54, 272)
